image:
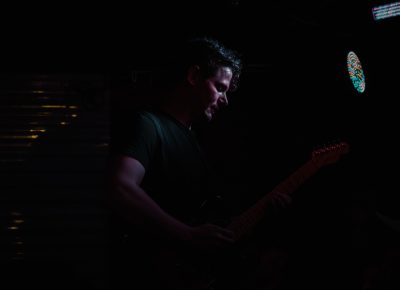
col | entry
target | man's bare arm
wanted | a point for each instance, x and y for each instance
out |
(137, 207)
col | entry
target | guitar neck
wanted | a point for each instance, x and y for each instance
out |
(245, 222)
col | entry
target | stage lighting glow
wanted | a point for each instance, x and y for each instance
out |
(356, 72)
(386, 11)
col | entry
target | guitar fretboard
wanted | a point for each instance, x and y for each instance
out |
(244, 223)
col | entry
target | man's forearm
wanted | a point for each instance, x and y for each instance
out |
(141, 210)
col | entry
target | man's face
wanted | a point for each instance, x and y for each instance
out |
(213, 91)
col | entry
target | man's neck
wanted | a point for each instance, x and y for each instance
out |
(179, 110)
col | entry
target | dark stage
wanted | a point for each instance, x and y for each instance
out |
(67, 76)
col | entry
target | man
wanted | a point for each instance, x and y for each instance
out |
(160, 178)
(159, 175)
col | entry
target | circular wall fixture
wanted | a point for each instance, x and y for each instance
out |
(356, 72)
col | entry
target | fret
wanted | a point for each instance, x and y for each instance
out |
(245, 222)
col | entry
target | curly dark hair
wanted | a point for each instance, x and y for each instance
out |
(208, 53)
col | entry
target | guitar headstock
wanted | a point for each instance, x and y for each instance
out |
(329, 154)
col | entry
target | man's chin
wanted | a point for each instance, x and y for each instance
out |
(208, 116)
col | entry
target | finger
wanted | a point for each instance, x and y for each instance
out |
(225, 239)
(282, 196)
(227, 233)
(222, 231)
(285, 198)
(281, 200)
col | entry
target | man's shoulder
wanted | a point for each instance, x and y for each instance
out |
(140, 118)
(146, 114)
(157, 119)
(134, 124)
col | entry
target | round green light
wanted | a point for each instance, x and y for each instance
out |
(356, 72)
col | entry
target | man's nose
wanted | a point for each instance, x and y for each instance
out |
(223, 100)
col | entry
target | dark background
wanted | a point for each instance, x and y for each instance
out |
(94, 60)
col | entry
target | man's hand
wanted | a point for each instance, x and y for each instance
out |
(209, 237)
(279, 200)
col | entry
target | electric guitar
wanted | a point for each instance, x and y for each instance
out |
(202, 274)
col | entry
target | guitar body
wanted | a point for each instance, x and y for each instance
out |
(190, 269)
(181, 271)
(199, 270)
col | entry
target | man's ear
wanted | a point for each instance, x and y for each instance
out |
(193, 74)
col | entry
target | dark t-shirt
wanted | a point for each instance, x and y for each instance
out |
(177, 175)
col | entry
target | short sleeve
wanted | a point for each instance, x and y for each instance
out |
(136, 138)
